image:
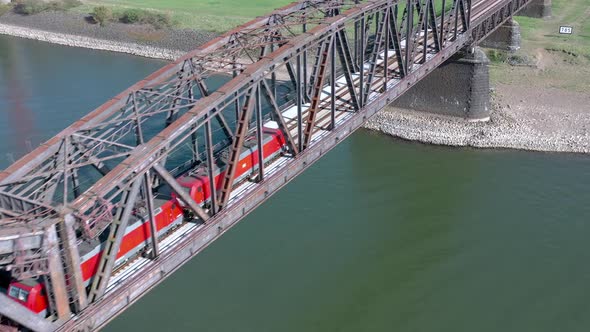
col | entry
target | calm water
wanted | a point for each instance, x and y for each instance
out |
(380, 235)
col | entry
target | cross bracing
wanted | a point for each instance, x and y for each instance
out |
(315, 70)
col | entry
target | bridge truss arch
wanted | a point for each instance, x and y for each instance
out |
(314, 71)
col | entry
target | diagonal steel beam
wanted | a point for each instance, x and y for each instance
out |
(67, 234)
(177, 188)
(375, 55)
(23, 316)
(236, 149)
(433, 25)
(57, 288)
(395, 41)
(205, 92)
(317, 90)
(113, 243)
(279, 117)
(348, 66)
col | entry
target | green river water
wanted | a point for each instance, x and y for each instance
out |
(379, 235)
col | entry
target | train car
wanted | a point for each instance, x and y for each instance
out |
(196, 182)
(29, 293)
(169, 212)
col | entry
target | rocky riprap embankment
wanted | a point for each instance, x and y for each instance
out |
(503, 130)
(74, 30)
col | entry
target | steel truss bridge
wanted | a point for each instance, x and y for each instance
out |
(316, 68)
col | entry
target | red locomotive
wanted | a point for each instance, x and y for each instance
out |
(169, 212)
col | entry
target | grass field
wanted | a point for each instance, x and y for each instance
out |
(545, 33)
(209, 15)
(562, 61)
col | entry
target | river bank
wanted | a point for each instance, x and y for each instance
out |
(537, 119)
(524, 118)
(73, 29)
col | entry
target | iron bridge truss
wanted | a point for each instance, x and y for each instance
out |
(317, 68)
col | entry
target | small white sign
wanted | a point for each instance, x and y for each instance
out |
(566, 30)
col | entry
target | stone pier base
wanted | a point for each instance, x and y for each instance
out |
(460, 87)
(537, 9)
(506, 37)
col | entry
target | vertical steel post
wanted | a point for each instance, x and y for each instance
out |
(409, 62)
(147, 185)
(469, 6)
(194, 139)
(273, 75)
(386, 20)
(333, 81)
(362, 62)
(356, 41)
(457, 2)
(57, 278)
(211, 168)
(426, 16)
(70, 252)
(299, 105)
(75, 183)
(305, 74)
(66, 145)
(237, 101)
(259, 133)
(442, 24)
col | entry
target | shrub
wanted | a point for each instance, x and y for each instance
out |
(497, 56)
(102, 15)
(157, 20)
(131, 16)
(30, 7)
(4, 8)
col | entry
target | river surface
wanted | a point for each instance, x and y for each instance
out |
(380, 235)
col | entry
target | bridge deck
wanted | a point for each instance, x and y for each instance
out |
(335, 109)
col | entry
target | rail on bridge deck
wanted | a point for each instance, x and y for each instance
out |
(282, 89)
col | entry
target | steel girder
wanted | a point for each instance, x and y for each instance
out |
(365, 50)
(71, 162)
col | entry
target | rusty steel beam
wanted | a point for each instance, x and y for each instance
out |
(165, 87)
(254, 55)
(182, 194)
(236, 149)
(323, 59)
(71, 257)
(57, 290)
(113, 243)
(149, 199)
(281, 122)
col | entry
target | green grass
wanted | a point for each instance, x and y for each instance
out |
(208, 15)
(564, 60)
(545, 33)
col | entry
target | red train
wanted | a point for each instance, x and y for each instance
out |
(169, 212)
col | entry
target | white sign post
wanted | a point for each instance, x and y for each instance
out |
(565, 30)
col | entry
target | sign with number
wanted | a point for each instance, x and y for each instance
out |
(566, 30)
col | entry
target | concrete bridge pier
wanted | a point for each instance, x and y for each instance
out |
(506, 37)
(537, 9)
(460, 87)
